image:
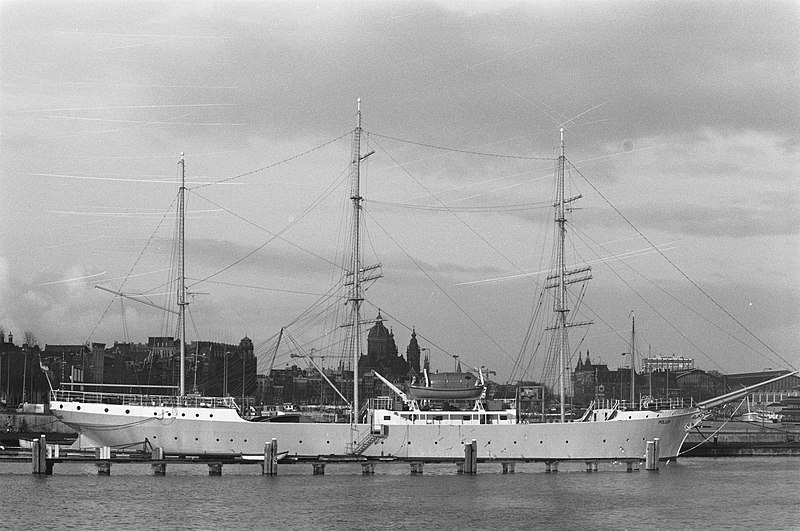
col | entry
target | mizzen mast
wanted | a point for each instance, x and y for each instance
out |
(182, 275)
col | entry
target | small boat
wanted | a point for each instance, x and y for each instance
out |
(448, 386)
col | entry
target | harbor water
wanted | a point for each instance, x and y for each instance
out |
(696, 493)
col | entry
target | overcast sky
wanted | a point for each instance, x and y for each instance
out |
(682, 115)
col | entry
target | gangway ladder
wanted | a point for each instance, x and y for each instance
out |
(370, 438)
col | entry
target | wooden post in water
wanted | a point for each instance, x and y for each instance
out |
(367, 469)
(508, 467)
(270, 465)
(159, 468)
(215, 469)
(474, 456)
(319, 469)
(416, 468)
(467, 458)
(551, 467)
(651, 455)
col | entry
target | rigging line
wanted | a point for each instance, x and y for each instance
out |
(447, 295)
(671, 296)
(135, 263)
(275, 236)
(490, 209)
(274, 164)
(679, 270)
(262, 288)
(454, 150)
(473, 231)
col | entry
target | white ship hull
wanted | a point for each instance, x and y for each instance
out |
(220, 431)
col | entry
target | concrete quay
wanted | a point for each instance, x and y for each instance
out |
(735, 438)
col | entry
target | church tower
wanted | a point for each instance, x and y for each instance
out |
(412, 353)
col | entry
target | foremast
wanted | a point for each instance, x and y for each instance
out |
(561, 270)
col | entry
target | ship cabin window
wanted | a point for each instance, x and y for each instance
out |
(387, 417)
(467, 417)
(503, 417)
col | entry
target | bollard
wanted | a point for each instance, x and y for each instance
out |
(508, 468)
(416, 468)
(367, 469)
(215, 469)
(551, 467)
(319, 469)
(468, 459)
(159, 469)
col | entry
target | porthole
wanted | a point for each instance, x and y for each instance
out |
(541, 442)
(196, 439)
(127, 411)
(79, 408)
(106, 410)
(245, 440)
(197, 414)
(515, 442)
(61, 406)
(155, 412)
(566, 442)
(183, 414)
(154, 437)
(176, 438)
(604, 440)
(211, 416)
(299, 442)
(217, 440)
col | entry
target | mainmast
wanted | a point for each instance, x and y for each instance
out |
(182, 276)
(561, 299)
(355, 293)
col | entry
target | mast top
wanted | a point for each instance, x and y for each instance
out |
(562, 141)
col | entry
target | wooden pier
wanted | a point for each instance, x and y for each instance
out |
(44, 457)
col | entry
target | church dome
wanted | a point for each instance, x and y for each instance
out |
(378, 330)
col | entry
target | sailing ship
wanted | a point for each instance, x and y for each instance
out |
(212, 426)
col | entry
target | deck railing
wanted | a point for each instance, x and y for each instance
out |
(129, 399)
(643, 403)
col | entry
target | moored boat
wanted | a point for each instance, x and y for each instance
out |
(193, 425)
